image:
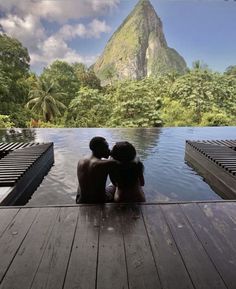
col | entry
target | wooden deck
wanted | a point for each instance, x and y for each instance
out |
(215, 161)
(151, 246)
(22, 168)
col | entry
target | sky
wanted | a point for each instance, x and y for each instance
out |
(78, 30)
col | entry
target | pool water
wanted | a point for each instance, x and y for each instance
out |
(167, 176)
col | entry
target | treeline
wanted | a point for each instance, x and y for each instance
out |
(70, 95)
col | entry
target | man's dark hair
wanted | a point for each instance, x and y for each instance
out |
(123, 152)
(97, 143)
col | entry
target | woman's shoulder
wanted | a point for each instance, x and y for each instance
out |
(139, 163)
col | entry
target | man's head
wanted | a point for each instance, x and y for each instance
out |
(99, 147)
(123, 151)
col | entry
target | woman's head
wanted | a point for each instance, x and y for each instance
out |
(123, 152)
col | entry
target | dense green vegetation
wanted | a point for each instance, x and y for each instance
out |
(70, 95)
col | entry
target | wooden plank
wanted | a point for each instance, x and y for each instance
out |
(169, 262)
(16, 166)
(12, 175)
(13, 237)
(229, 209)
(228, 162)
(112, 271)
(5, 173)
(24, 266)
(142, 271)
(202, 271)
(10, 170)
(14, 146)
(17, 158)
(222, 213)
(224, 142)
(220, 248)
(82, 267)
(52, 269)
(2, 178)
(7, 183)
(231, 166)
(18, 145)
(15, 162)
(7, 145)
(6, 217)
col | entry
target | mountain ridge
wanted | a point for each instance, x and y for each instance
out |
(138, 48)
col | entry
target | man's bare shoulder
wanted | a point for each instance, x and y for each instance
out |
(84, 161)
(105, 163)
(95, 162)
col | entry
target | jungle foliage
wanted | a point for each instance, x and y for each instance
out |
(70, 95)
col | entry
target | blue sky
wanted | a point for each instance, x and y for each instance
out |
(78, 30)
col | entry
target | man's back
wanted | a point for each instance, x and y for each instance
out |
(92, 175)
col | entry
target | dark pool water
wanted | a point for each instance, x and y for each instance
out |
(167, 176)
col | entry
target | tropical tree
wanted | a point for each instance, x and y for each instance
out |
(89, 108)
(231, 70)
(5, 121)
(86, 76)
(194, 91)
(44, 100)
(64, 78)
(217, 118)
(14, 69)
(136, 104)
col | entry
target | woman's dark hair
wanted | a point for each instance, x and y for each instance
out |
(127, 170)
(123, 152)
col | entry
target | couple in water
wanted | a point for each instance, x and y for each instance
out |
(120, 164)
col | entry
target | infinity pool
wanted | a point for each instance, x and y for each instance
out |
(167, 176)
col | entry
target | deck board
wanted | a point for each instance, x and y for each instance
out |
(112, 270)
(141, 267)
(24, 266)
(200, 267)
(12, 238)
(50, 273)
(168, 259)
(151, 246)
(5, 218)
(82, 267)
(214, 239)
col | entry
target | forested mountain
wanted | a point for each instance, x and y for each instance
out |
(138, 48)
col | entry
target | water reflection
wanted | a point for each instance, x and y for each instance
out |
(17, 134)
(145, 140)
(167, 175)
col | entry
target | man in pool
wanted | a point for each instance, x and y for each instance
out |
(92, 173)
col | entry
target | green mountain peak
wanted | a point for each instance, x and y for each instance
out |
(138, 48)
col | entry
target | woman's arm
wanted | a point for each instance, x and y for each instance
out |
(141, 179)
(113, 172)
(141, 176)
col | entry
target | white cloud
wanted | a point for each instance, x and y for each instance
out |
(59, 10)
(28, 29)
(56, 48)
(23, 20)
(92, 30)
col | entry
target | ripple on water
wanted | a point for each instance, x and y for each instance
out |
(167, 175)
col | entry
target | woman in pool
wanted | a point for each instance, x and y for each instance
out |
(127, 175)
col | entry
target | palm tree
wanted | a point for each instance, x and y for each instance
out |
(44, 100)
